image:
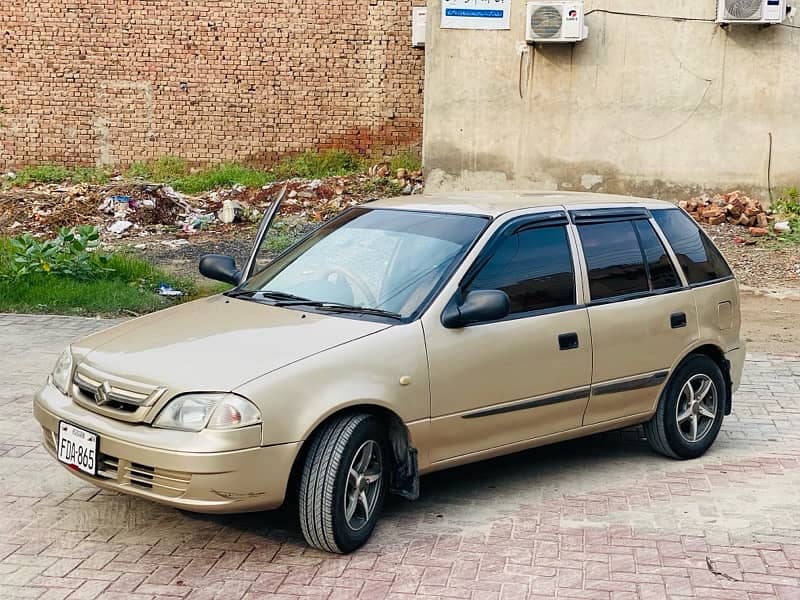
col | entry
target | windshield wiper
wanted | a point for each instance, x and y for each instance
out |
(272, 294)
(344, 308)
(286, 299)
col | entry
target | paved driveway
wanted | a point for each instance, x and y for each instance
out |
(596, 518)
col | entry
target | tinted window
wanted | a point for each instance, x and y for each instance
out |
(659, 266)
(698, 257)
(614, 259)
(534, 267)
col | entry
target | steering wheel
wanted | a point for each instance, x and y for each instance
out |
(359, 283)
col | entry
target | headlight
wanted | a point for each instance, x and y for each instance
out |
(193, 412)
(62, 371)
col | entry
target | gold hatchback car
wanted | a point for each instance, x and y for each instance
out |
(402, 337)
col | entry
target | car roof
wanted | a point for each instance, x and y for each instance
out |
(499, 202)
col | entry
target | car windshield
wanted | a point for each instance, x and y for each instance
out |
(374, 259)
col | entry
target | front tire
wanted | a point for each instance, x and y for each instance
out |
(690, 411)
(343, 484)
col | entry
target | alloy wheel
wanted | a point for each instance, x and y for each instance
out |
(696, 409)
(363, 485)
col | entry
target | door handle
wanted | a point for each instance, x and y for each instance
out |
(677, 320)
(568, 341)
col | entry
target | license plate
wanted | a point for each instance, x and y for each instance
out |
(77, 448)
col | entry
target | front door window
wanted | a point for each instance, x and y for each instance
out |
(534, 267)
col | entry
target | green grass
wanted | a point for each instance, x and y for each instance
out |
(410, 161)
(787, 208)
(164, 169)
(226, 174)
(175, 171)
(318, 165)
(308, 165)
(129, 289)
(52, 173)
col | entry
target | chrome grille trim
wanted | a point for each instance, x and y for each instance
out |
(90, 386)
(112, 396)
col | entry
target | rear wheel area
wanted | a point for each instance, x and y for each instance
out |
(343, 483)
(690, 411)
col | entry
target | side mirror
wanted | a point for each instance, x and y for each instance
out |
(478, 306)
(220, 268)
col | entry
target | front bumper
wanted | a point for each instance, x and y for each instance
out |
(221, 481)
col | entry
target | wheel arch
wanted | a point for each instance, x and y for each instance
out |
(405, 471)
(715, 353)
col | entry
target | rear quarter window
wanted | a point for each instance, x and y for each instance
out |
(697, 255)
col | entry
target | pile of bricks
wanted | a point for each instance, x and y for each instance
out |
(735, 208)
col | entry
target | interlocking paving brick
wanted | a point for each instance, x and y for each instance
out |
(601, 517)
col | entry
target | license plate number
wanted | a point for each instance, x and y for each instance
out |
(77, 448)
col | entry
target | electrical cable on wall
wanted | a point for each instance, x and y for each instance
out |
(668, 17)
(769, 169)
(647, 15)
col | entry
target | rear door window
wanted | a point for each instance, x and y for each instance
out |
(534, 267)
(659, 266)
(697, 255)
(614, 259)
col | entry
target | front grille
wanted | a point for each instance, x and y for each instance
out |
(113, 401)
(159, 481)
(141, 475)
(107, 466)
(120, 399)
(163, 482)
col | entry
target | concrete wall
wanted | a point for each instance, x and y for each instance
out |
(644, 106)
(113, 82)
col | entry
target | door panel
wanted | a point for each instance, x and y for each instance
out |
(634, 343)
(505, 382)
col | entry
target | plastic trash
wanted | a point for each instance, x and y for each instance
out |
(230, 211)
(120, 226)
(175, 243)
(194, 222)
(164, 289)
(782, 227)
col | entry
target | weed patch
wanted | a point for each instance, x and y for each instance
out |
(51, 173)
(126, 284)
(318, 165)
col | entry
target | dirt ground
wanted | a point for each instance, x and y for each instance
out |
(771, 321)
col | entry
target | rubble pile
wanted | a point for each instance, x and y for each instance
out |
(411, 182)
(735, 208)
(115, 208)
(123, 209)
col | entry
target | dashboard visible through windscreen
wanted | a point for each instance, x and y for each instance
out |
(385, 259)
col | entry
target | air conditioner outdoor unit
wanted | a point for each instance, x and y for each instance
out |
(419, 15)
(754, 12)
(555, 21)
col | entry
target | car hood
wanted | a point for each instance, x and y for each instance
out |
(214, 344)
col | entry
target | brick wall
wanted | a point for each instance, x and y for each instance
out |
(113, 81)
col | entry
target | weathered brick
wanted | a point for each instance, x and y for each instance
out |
(209, 81)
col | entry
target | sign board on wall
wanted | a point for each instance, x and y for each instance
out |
(476, 14)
